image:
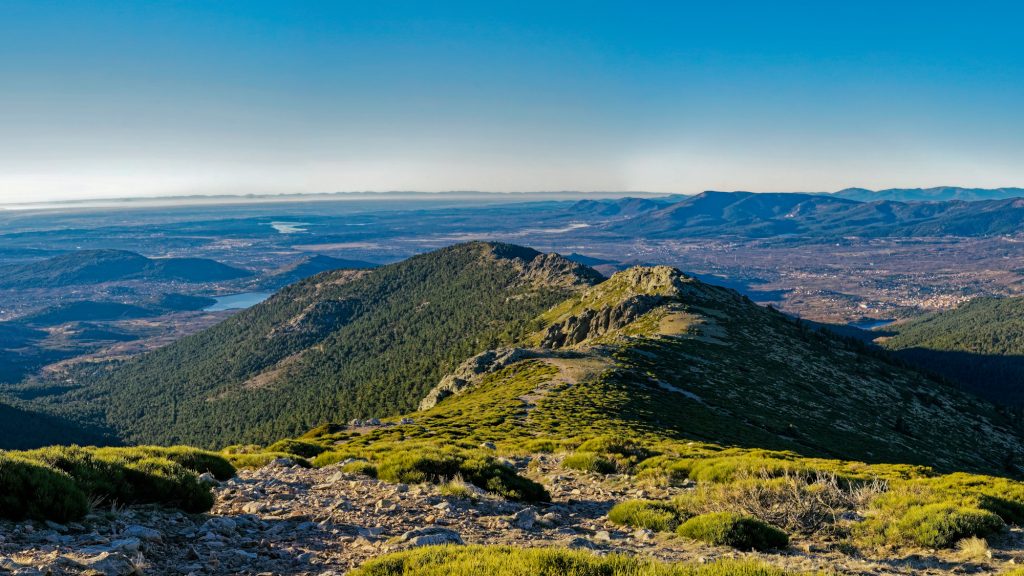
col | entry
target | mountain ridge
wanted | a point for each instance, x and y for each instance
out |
(107, 265)
(795, 216)
(345, 343)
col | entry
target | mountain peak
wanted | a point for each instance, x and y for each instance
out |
(545, 269)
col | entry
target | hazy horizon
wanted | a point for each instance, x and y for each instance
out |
(109, 99)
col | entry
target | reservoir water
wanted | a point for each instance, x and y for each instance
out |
(237, 301)
(871, 324)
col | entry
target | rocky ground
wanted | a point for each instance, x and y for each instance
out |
(284, 519)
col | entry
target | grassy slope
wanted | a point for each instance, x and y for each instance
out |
(336, 346)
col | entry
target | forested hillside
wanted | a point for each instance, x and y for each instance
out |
(96, 266)
(338, 345)
(979, 345)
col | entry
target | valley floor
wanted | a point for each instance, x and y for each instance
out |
(284, 519)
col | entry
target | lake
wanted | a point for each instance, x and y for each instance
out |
(871, 324)
(237, 301)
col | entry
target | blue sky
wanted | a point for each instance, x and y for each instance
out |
(135, 98)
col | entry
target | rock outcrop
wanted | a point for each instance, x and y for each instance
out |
(544, 269)
(472, 371)
(592, 323)
(616, 303)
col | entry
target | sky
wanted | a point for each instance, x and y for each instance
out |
(112, 99)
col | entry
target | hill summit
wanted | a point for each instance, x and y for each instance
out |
(652, 350)
(339, 345)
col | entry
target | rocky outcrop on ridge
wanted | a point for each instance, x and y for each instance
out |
(591, 323)
(472, 371)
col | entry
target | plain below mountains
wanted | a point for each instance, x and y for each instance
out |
(659, 351)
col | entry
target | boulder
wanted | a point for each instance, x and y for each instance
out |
(430, 536)
(143, 533)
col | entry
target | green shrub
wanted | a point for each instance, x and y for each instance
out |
(742, 532)
(69, 475)
(303, 448)
(615, 445)
(194, 459)
(163, 481)
(361, 467)
(457, 488)
(484, 471)
(242, 449)
(729, 468)
(510, 561)
(330, 458)
(330, 429)
(419, 465)
(261, 459)
(97, 475)
(541, 446)
(656, 516)
(936, 512)
(35, 490)
(589, 462)
(431, 463)
(942, 525)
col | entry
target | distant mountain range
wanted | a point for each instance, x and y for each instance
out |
(937, 194)
(780, 215)
(98, 266)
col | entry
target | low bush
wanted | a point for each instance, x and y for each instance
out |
(510, 561)
(937, 512)
(541, 446)
(973, 549)
(729, 468)
(656, 516)
(589, 462)
(34, 490)
(324, 430)
(242, 449)
(943, 525)
(727, 529)
(416, 466)
(163, 481)
(431, 463)
(615, 445)
(261, 459)
(457, 488)
(194, 459)
(57, 482)
(361, 467)
(304, 448)
(329, 458)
